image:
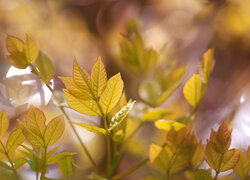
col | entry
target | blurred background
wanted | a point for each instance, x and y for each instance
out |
(177, 31)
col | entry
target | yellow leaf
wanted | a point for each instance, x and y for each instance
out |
(82, 79)
(90, 128)
(31, 49)
(212, 157)
(243, 166)
(112, 93)
(198, 155)
(99, 78)
(200, 174)
(18, 60)
(192, 90)
(4, 123)
(88, 107)
(160, 156)
(14, 45)
(230, 159)
(208, 64)
(54, 130)
(15, 139)
(74, 89)
(168, 124)
(54, 159)
(155, 114)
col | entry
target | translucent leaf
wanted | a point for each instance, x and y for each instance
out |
(230, 159)
(160, 156)
(4, 123)
(15, 139)
(120, 116)
(14, 45)
(192, 90)
(45, 66)
(155, 114)
(198, 155)
(243, 166)
(212, 157)
(208, 63)
(31, 49)
(54, 159)
(90, 128)
(20, 162)
(112, 93)
(118, 136)
(88, 107)
(66, 166)
(200, 174)
(18, 60)
(99, 78)
(54, 130)
(168, 124)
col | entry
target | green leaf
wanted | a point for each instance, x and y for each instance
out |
(45, 67)
(20, 162)
(88, 107)
(200, 174)
(99, 78)
(111, 94)
(120, 116)
(56, 158)
(14, 45)
(66, 166)
(4, 123)
(15, 139)
(90, 128)
(31, 49)
(54, 130)
(243, 166)
(168, 124)
(18, 60)
(155, 114)
(230, 159)
(192, 90)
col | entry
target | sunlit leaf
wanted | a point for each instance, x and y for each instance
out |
(54, 130)
(99, 77)
(31, 49)
(18, 60)
(14, 45)
(212, 157)
(66, 166)
(192, 90)
(230, 159)
(88, 107)
(90, 128)
(118, 136)
(112, 93)
(20, 162)
(155, 114)
(208, 63)
(15, 139)
(200, 174)
(54, 159)
(168, 124)
(198, 155)
(243, 166)
(4, 123)
(160, 156)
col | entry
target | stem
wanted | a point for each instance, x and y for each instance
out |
(218, 170)
(45, 164)
(71, 125)
(131, 170)
(108, 143)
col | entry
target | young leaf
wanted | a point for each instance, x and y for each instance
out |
(66, 166)
(198, 155)
(54, 130)
(160, 156)
(168, 124)
(208, 63)
(31, 49)
(18, 60)
(20, 162)
(88, 107)
(90, 128)
(230, 159)
(200, 174)
(4, 123)
(192, 90)
(15, 139)
(45, 66)
(155, 114)
(120, 116)
(243, 166)
(118, 136)
(14, 45)
(212, 157)
(99, 78)
(112, 93)
(56, 158)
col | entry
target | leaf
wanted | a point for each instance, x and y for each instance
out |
(51, 152)
(230, 159)
(200, 174)
(192, 90)
(198, 155)
(208, 63)
(155, 114)
(31, 49)
(18, 60)
(160, 156)
(212, 157)
(45, 66)
(90, 128)
(56, 158)
(120, 116)
(118, 136)
(66, 166)
(20, 162)
(168, 124)
(99, 78)
(243, 166)
(14, 45)
(4, 123)
(15, 139)
(72, 88)
(54, 130)
(112, 93)
(88, 107)
(31, 151)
